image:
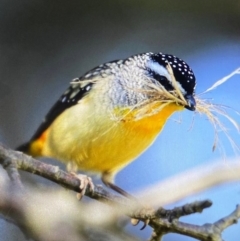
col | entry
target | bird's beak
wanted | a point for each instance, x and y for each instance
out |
(191, 103)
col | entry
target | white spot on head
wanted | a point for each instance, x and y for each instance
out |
(174, 66)
(179, 65)
(179, 69)
(183, 73)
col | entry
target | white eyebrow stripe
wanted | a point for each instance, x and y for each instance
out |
(157, 68)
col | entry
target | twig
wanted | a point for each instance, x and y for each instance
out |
(12, 171)
(177, 212)
(227, 221)
(157, 235)
(206, 232)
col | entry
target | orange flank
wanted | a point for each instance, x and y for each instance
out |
(36, 146)
(127, 141)
(153, 123)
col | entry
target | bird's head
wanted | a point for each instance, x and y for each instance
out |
(157, 67)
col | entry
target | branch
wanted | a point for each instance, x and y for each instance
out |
(177, 212)
(13, 159)
(162, 221)
(206, 232)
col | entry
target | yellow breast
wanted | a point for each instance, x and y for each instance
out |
(95, 142)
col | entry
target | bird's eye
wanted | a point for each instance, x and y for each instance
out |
(163, 81)
(162, 78)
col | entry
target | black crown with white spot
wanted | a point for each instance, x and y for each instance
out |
(181, 70)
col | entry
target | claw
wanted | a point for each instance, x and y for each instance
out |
(135, 221)
(145, 223)
(85, 181)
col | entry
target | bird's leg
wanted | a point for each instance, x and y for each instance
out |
(120, 190)
(85, 181)
(107, 179)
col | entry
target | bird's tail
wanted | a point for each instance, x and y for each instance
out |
(25, 148)
(32, 148)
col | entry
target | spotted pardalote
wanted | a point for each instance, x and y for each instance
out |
(113, 113)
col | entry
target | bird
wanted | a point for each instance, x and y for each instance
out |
(110, 115)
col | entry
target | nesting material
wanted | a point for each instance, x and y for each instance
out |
(159, 97)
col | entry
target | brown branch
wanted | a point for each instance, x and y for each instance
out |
(10, 159)
(12, 171)
(162, 221)
(206, 232)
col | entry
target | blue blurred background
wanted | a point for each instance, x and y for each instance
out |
(45, 44)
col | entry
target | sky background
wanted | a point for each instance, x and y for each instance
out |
(45, 44)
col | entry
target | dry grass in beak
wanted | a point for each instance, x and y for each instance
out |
(212, 111)
(156, 97)
(159, 97)
(178, 96)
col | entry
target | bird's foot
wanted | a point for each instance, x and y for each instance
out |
(85, 182)
(143, 214)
